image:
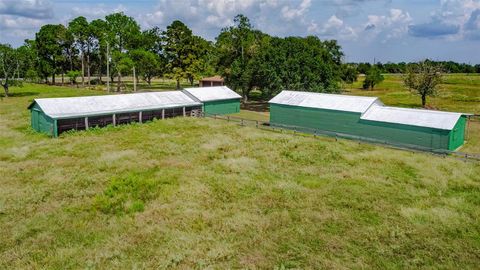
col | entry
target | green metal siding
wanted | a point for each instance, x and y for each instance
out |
(326, 120)
(41, 122)
(406, 135)
(222, 106)
(349, 123)
(457, 134)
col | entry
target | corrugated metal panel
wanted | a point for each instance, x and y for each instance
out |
(412, 117)
(325, 101)
(107, 104)
(212, 93)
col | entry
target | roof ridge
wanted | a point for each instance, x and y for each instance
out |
(418, 109)
(330, 94)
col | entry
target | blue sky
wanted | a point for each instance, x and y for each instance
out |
(384, 30)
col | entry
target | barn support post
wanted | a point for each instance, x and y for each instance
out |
(114, 120)
(86, 123)
(55, 128)
(163, 114)
(184, 114)
(140, 117)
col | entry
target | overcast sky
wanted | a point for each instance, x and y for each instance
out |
(385, 30)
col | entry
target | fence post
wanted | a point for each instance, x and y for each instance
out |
(114, 119)
(242, 121)
(256, 123)
(140, 117)
(86, 123)
(163, 114)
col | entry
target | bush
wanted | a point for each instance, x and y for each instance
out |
(372, 78)
(73, 75)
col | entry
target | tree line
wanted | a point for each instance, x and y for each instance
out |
(246, 57)
(402, 67)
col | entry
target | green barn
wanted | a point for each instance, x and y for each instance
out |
(367, 118)
(54, 116)
(216, 100)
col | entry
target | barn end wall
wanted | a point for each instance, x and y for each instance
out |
(349, 123)
(457, 134)
(222, 106)
(41, 122)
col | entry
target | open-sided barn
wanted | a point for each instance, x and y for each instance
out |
(368, 118)
(216, 100)
(56, 115)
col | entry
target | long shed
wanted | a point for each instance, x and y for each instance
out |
(56, 115)
(216, 99)
(367, 118)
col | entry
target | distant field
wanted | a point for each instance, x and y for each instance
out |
(460, 93)
(202, 193)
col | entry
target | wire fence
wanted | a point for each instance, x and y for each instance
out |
(303, 131)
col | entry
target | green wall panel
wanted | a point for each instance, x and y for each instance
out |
(457, 134)
(349, 123)
(41, 122)
(222, 106)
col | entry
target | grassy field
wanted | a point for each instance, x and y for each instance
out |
(203, 193)
(459, 92)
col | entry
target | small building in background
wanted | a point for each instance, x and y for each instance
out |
(367, 118)
(216, 99)
(211, 81)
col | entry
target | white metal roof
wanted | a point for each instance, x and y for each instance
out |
(107, 104)
(413, 117)
(212, 93)
(325, 101)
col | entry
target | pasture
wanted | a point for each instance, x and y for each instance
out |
(203, 193)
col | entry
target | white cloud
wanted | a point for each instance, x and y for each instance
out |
(334, 27)
(207, 17)
(393, 25)
(39, 9)
(291, 13)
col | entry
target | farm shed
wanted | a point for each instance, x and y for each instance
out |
(211, 81)
(56, 115)
(367, 118)
(216, 100)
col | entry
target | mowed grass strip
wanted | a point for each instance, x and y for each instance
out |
(199, 193)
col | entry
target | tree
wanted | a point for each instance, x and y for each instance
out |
(372, 78)
(146, 64)
(123, 65)
(237, 46)
(98, 30)
(9, 64)
(49, 45)
(123, 33)
(179, 50)
(423, 79)
(73, 75)
(79, 28)
(349, 73)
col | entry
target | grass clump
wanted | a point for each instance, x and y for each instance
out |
(127, 194)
